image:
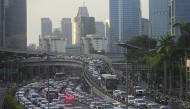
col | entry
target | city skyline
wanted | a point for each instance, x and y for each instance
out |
(35, 12)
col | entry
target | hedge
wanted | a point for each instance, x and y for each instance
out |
(9, 98)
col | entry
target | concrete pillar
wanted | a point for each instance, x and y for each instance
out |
(39, 71)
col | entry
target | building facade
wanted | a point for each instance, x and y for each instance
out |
(100, 28)
(159, 17)
(14, 24)
(83, 25)
(73, 49)
(66, 29)
(95, 42)
(137, 18)
(46, 27)
(53, 44)
(179, 11)
(121, 23)
(107, 33)
(146, 28)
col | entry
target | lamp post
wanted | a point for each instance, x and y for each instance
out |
(127, 46)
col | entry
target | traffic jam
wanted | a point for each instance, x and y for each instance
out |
(64, 92)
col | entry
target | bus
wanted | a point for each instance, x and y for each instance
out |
(53, 94)
(59, 76)
(110, 82)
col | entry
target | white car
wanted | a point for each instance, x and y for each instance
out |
(60, 104)
(48, 105)
(43, 103)
(26, 104)
(38, 100)
(33, 96)
(54, 101)
(130, 99)
(138, 90)
(31, 106)
(115, 93)
(140, 103)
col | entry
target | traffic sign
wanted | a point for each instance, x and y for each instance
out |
(8, 71)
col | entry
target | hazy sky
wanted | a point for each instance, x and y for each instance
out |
(58, 9)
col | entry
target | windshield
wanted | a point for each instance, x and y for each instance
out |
(99, 104)
(141, 101)
(67, 105)
(123, 94)
(131, 98)
(55, 100)
(138, 88)
(89, 100)
(34, 96)
(111, 83)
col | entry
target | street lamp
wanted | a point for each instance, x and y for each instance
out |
(127, 46)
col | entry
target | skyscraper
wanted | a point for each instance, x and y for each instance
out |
(136, 18)
(46, 27)
(107, 33)
(159, 17)
(100, 28)
(179, 11)
(66, 30)
(14, 24)
(121, 23)
(83, 25)
(145, 29)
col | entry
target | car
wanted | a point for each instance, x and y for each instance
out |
(122, 95)
(88, 101)
(138, 90)
(43, 103)
(131, 99)
(69, 100)
(62, 98)
(33, 96)
(54, 101)
(36, 108)
(114, 105)
(60, 104)
(98, 105)
(38, 100)
(68, 106)
(140, 103)
(31, 106)
(92, 105)
(81, 99)
(121, 106)
(107, 106)
(48, 105)
(153, 106)
(115, 93)
(96, 99)
(26, 104)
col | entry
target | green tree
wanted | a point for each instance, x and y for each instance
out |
(166, 48)
(183, 42)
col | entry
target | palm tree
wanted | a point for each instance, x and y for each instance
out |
(166, 48)
(183, 42)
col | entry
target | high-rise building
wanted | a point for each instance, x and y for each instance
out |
(100, 28)
(46, 27)
(136, 18)
(121, 22)
(146, 28)
(159, 17)
(179, 11)
(66, 29)
(14, 29)
(93, 41)
(83, 12)
(83, 25)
